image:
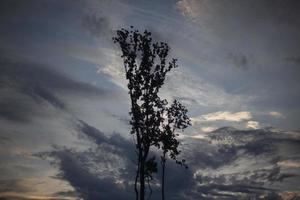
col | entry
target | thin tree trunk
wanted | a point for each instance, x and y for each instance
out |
(142, 179)
(163, 163)
(136, 181)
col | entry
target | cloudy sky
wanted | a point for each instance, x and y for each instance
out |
(64, 105)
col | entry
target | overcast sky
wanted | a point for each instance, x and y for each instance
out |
(64, 104)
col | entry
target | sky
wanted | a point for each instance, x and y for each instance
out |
(64, 104)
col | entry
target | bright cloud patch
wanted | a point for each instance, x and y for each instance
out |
(208, 129)
(253, 125)
(223, 116)
(114, 70)
(228, 116)
(276, 114)
(289, 164)
(187, 8)
(199, 136)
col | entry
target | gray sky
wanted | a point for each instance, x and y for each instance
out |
(64, 101)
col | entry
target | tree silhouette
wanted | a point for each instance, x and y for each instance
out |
(176, 119)
(153, 124)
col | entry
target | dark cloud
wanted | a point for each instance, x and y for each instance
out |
(98, 173)
(242, 185)
(82, 171)
(254, 142)
(28, 75)
(15, 110)
(226, 149)
(116, 140)
(125, 148)
(213, 191)
(202, 154)
(24, 103)
(178, 180)
(80, 168)
(26, 85)
(88, 184)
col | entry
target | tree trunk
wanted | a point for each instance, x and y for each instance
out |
(163, 163)
(142, 179)
(136, 181)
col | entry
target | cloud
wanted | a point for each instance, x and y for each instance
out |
(85, 181)
(107, 170)
(27, 75)
(115, 156)
(100, 171)
(28, 88)
(36, 112)
(30, 189)
(276, 114)
(251, 167)
(114, 70)
(289, 164)
(99, 138)
(289, 195)
(244, 167)
(228, 116)
(227, 192)
(199, 136)
(14, 186)
(208, 129)
(188, 8)
(233, 164)
(253, 125)
(11, 108)
(181, 83)
(190, 89)
(202, 10)
(223, 116)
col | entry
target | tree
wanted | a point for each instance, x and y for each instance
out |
(176, 119)
(152, 123)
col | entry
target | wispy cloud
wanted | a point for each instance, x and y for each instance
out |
(223, 116)
(180, 84)
(29, 87)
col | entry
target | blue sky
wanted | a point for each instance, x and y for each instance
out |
(62, 80)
